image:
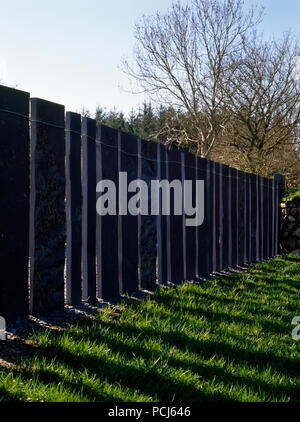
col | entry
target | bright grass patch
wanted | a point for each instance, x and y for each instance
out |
(228, 339)
(292, 195)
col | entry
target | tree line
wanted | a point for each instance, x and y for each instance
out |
(216, 87)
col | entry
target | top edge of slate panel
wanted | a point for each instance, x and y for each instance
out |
(14, 100)
(48, 112)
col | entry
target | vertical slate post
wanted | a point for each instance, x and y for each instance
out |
(107, 240)
(279, 181)
(234, 216)
(226, 224)
(221, 217)
(241, 221)
(253, 218)
(47, 206)
(217, 215)
(175, 229)
(147, 227)
(88, 131)
(128, 224)
(190, 231)
(209, 216)
(202, 231)
(14, 211)
(273, 217)
(230, 187)
(73, 208)
(214, 216)
(161, 220)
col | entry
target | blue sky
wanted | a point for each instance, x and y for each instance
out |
(69, 51)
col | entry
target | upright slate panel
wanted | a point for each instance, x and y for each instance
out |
(267, 217)
(147, 224)
(175, 232)
(209, 216)
(88, 130)
(230, 207)
(262, 218)
(14, 211)
(214, 217)
(47, 206)
(217, 216)
(202, 230)
(107, 243)
(241, 217)
(73, 208)
(128, 224)
(252, 257)
(162, 238)
(221, 219)
(273, 217)
(234, 216)
(248, 212)
(226, 222)
(190, 173)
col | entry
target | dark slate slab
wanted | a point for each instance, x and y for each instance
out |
(273, 216)
(217, 215)
(175, 232)
(147, 224)
(253, 219)
(73, 208)
(14, 194)
(261, 218)
(209, 216)
(88, 130)
(128, 224)
(234, 216)
(107, 226)
(162, 238)
(225, 209)
(221, 219)
(214, 216)
(47, 201)
(202, 230)
(190, 173)
(241, 218)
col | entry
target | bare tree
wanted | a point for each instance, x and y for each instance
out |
(263, 100)
(182, 59)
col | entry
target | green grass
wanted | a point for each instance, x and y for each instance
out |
(227, 339)
(292, 195)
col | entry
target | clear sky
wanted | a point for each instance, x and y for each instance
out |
(69, 51)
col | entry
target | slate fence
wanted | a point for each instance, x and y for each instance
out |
(54, 247)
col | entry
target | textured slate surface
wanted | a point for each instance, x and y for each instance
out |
(48, 220)
(175, 233)
(190, 232)
(209, 216)
(241, 218)
(202, 230)
(14, 194)
(217, 215)
(107, 239)
(147, 224)
(234, 217)
(128, 224)
(221, 218)
(73, 208)
(253, 233)
(88, 130)
(214, 217)
(226, 222)
(162, 220)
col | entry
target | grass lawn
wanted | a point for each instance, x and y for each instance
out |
(227, 339)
